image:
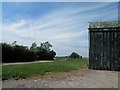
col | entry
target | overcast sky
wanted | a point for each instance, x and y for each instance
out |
(64, 25)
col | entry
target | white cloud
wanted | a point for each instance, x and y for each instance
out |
(65, 28)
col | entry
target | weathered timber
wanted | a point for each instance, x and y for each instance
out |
(104, 45)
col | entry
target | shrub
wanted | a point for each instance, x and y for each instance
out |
(74, 55)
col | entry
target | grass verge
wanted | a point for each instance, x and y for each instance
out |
(27, 70)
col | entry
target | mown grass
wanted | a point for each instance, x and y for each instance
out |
(0, 72)
(27, 70)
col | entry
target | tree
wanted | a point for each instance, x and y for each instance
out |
(44, 52)
(20, 53)
(46, 46)
(53, 53)
(33, 47)
(14, 43)
(74, 55)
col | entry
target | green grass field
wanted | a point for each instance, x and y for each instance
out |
(0, 72)
(37, 69)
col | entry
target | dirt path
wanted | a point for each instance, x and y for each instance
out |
(84, 78)
(25, 62)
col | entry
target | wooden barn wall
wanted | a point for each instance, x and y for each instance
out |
(104, 49)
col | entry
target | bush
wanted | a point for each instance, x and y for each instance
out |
(74, 55)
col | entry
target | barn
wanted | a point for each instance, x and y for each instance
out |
(104, 45)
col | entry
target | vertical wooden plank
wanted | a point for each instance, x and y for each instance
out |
(103, 63)
(90, 50)
(99, 52)
(94, 50)
(111, 49)
(118, 43)
(116, 52)
(89, 47)
(119, 51)
(95, 53)
(107, 51)
(90, 57)
(102, 50)
(104, 47)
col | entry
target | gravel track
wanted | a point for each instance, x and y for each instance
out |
(83, 78)
(25, 62)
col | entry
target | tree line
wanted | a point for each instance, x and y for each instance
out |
(20, 53)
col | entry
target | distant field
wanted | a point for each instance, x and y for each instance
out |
(38, 69)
